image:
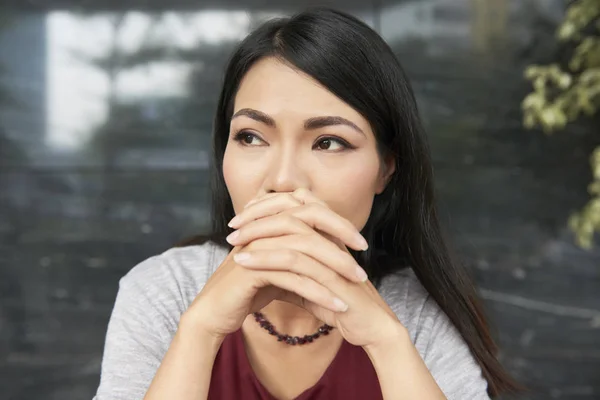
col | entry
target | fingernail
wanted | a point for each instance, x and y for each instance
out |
(234, 222)
(361, 242)
(361, 274)
(340, 305)
(232, 237)
(241, 257)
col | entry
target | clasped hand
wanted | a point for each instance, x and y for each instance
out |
(297, 232)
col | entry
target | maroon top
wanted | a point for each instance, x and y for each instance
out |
(350, 376)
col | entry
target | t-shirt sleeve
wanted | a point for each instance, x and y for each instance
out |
(139, 333)
(448, 357)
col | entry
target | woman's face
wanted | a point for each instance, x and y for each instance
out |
(289, 132)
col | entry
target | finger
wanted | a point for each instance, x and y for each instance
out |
(273, 226)
(274, 204)
(285, 250)
(302, 286)
(305, 196)
(315, 215)
(326, 220)
(331, 224)
(331, 276)
(263, 197)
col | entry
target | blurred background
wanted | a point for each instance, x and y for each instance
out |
(105, 122)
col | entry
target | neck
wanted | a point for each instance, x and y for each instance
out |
(290, 319)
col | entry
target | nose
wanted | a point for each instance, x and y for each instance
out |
(287, 172)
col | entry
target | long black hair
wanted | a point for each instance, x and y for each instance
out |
(353, 62)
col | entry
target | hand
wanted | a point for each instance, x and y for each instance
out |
(279, 234)
(233, 292)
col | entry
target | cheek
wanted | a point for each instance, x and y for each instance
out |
(351, 193)
(239, 180)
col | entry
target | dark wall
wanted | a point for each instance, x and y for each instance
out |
(102, 166)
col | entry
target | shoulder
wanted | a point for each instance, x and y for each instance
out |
(178, 273)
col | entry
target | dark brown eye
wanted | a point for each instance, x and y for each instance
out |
(324, 144)
(332, 144)
(247, 138)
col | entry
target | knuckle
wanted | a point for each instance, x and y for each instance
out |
(330, 279)
(301, 191)
(314, 238)
(291, 199)
(308, 281)
(290, 257)
(301, 194)
(300, 280)
(289, 220)
(314, 206)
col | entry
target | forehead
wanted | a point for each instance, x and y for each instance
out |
(276, 88)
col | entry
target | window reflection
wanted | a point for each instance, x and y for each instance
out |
(97, 62)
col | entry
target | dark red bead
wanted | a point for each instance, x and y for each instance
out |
(291, 340)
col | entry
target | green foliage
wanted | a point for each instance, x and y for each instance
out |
(562, 95)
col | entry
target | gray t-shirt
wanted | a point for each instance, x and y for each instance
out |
(154, 294)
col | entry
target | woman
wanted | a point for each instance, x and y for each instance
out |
(333, 280)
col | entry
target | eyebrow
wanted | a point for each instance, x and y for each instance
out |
(309, 124)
